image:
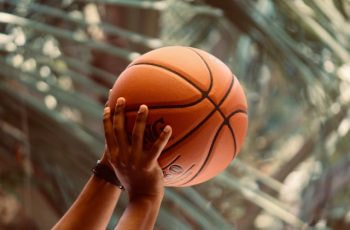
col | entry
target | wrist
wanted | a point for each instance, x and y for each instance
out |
(104, 159)
(134, 197)
(105, 172)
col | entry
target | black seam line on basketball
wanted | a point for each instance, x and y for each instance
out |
(207, 117)
(208, 154)
(204, 93)
(228, 90)
(175, 159)
(217, 107)
(182, 176)
(211, 82)
(192, 131)
(206, 64)
(231, 129)
(233, 137)
(226, 119)
(168, 106)
(237, 111)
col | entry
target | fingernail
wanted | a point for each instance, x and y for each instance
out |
(167, 129)
(142, 108)
(120, 101)
(106, 109)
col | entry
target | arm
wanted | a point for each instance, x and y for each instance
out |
(93, 207)
(137, 169)
(140, 212)
(95, 204)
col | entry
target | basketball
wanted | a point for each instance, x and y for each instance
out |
(199, 97)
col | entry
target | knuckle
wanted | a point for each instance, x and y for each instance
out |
(136, 136)
(140, 118)
(118, 119)
(163, 137)
(106, 113)
(117, 110)
(105, 118)
(116, 115)
(117, 128)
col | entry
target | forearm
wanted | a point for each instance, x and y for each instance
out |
(93, 208)
(141, 213)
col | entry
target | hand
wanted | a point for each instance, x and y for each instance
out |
(137, 169)
(106, 155)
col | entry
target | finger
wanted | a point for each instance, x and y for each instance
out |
(119, 126)
(109, 135)
(109, 94)
(139, 129)
(160, 143)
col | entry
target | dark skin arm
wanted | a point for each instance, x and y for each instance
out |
(141, 176)
(137, 168)
(95, 204)
(93, 207)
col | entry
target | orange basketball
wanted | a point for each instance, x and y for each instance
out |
(199, 97)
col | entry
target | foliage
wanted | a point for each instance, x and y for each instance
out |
(59, 58)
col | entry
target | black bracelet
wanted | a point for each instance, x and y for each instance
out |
(104, 172)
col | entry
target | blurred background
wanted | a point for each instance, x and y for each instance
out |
(58, 59)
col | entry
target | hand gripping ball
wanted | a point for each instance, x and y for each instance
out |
(199, 97)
